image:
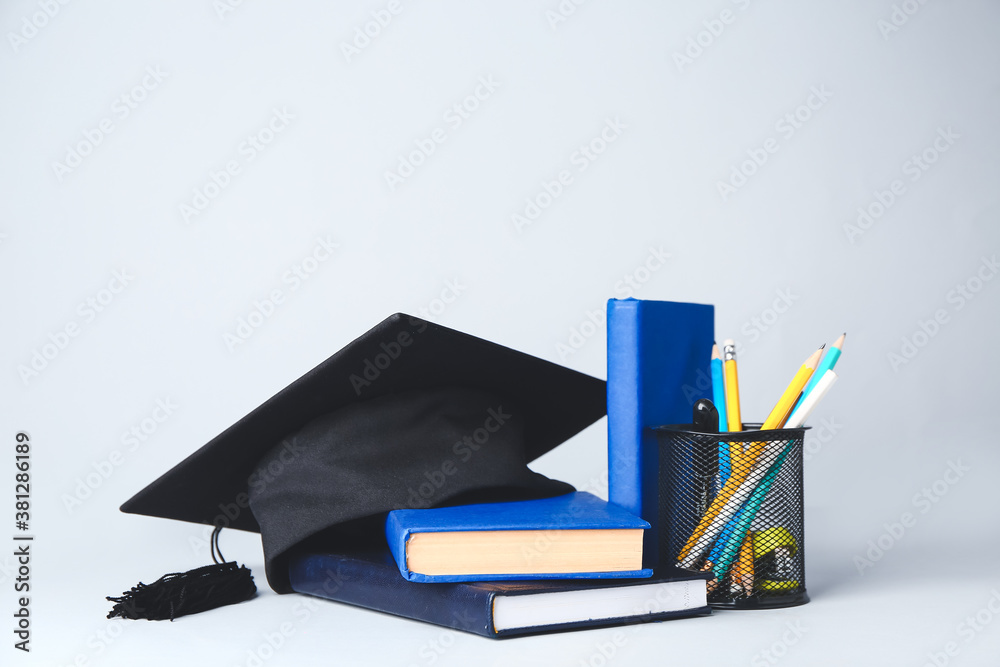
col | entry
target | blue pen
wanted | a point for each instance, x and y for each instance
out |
(719, 398)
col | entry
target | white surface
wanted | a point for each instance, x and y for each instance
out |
(773, 257)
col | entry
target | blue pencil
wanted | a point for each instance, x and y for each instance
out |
(723, 539)
(719, 398)
(829, 361)
(740, 524)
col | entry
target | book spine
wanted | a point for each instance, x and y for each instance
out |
(395, 536)
(380, 588)
(658, 353)
(624, 407)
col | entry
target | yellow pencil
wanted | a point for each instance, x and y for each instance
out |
(742, 466)
(784, 406)
(732, 385)
(733, 420)
(743, 576)
(781, 410)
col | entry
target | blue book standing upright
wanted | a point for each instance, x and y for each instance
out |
(659, 355)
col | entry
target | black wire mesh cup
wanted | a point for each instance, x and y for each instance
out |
(732, 503)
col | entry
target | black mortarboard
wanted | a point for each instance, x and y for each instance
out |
(410, 414)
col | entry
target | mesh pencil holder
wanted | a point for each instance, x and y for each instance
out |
(732, 503)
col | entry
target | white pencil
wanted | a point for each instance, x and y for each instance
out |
(802, 413)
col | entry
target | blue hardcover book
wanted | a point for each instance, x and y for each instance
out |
(499, 609)
(573, 536)
(659, 360)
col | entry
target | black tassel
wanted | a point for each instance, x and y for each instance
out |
(183, 593)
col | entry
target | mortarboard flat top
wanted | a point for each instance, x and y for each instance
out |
(400, 354)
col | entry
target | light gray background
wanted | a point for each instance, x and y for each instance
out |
(893, 429)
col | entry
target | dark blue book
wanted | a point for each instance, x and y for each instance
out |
(499, 609)
(659, 356)
(576, 535)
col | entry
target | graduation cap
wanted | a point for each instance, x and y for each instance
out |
(409, 415)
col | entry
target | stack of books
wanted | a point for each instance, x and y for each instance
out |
(505, 569)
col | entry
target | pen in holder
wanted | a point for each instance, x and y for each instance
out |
(747, 529)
